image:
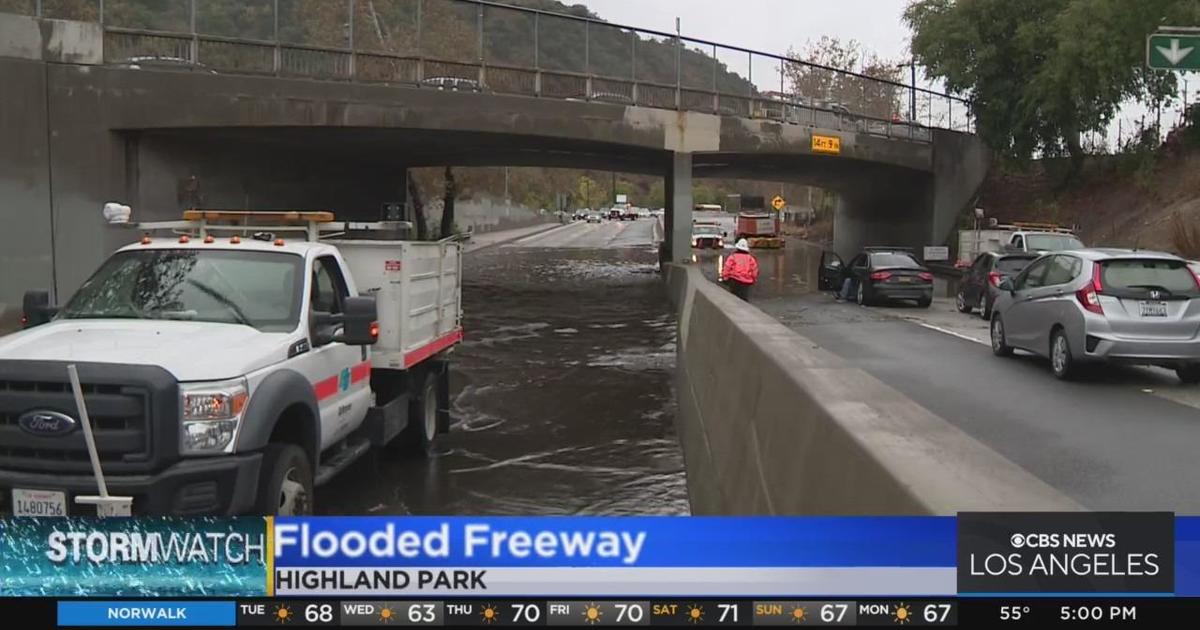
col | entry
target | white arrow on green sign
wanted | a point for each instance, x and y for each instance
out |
(1167, 51)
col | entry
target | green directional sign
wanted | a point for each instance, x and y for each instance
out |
(1167, 51)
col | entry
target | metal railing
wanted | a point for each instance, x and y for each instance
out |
(482, 46)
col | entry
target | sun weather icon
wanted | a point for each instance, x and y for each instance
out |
(903, 613)
(799, 614)
(592, 614)
(387, 615)
(283, 614)
(490, 614)
(695, 613)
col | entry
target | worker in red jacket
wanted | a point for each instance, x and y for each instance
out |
(741, 270)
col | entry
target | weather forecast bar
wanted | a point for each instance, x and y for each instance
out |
(879, 612)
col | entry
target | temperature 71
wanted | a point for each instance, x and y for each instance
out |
(1013, 613)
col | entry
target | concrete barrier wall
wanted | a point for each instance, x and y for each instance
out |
(772, 424)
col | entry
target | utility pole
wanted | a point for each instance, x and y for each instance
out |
(912, 88)
(614, 188)
(506, 201)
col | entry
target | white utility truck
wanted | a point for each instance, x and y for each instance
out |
(230, 366)
(1015, 237)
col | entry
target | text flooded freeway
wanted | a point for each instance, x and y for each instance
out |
(562, 400)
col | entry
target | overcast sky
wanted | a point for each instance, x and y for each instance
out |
(769, 25)
(774, 25)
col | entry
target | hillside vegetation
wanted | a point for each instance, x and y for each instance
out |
(1147, 196)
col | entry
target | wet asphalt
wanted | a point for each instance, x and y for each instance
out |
(562, 399)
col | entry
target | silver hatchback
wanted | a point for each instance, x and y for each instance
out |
(1093, 305)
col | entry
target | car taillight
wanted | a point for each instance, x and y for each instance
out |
(1089, 299)
(926, 276)
(881, 275)
(994, 278)
(1096, 285)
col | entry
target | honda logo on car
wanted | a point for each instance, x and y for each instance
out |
(47, 423)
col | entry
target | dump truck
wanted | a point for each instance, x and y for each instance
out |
(228, 363)
(759, 226)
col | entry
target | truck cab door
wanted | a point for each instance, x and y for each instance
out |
(340, 374)
(829, 277)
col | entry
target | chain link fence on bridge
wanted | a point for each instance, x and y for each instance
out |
(480, 46)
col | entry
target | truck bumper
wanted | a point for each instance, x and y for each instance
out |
(208, 486)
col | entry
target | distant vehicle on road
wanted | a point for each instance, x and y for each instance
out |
(615, 214)
(457, 84)
(978, 288)
(594, 217)
(1093, 305)
(629, 214)
(707, 235)
(581, 214)
(1015, 237)
(879, 273)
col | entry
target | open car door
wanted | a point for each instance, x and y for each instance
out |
(829, 278)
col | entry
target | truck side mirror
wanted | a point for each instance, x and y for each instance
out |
(36, 309)
(360, 322)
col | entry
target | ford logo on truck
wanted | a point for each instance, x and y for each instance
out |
(47, 423)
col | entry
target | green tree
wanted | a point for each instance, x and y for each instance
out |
(1041, 72)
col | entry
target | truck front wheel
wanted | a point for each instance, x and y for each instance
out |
(285, 483)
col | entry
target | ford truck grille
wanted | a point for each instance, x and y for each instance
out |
(133, 411)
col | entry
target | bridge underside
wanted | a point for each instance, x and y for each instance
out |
(162, 140)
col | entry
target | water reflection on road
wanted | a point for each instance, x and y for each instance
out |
(563, 401)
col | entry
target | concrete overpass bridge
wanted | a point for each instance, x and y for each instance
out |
(99, 111)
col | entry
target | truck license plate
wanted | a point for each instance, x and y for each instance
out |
(1154, 309)
(39, 502)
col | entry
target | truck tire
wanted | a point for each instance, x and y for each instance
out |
(422, 415)
(285, 482)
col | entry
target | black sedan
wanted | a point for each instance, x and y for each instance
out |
(878, 274)
(980, 282)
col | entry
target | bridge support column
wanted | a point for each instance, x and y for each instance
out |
(678, 225)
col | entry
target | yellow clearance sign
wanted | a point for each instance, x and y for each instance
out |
(826, 144)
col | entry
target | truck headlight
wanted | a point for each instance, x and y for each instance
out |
(211, 415)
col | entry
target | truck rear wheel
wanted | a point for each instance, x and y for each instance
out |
(285, 482)
(423, 415)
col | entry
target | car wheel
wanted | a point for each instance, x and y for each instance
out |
(1189, 374)
(985, 309)
(1000, 345)
(286, 483)
(1061, 361)
(961, 303)
(861, 296)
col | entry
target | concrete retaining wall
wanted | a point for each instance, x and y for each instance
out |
(772, 424)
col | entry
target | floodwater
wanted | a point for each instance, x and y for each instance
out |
(562, 396)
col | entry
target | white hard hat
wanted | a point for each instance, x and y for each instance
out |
(742, 245)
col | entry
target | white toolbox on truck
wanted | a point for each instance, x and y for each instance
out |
(417, 288)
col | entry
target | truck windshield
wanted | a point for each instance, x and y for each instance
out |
(1052, 242)
(706, 230)
(259, 289)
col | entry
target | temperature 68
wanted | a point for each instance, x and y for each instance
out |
(318, 613)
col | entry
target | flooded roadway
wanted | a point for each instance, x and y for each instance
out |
(562, 390)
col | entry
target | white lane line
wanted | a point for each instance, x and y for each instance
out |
(951, 332)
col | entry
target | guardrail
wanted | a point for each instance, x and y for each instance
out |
(482, 46)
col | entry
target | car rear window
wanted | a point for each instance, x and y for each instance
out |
(1142, 275)
(1013, 264)
(893, 260)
